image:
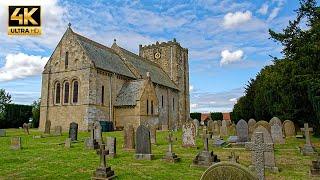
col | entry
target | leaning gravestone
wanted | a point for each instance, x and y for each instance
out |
(143, 147)
(73, 131)
(16, 143)
(269, 158)
(251, 124)
(224, 129)
(196, 124)
(58, 130)
(97, 131)
(242, 131)
(2, 132)
(188, 135)
(47, 127)
(263, 123)
(112, 146)
(289, 129)
(276, 134)
(129, 142)
(228, 170)
(216, 129)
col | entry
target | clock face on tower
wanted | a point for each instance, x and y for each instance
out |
(157, 55)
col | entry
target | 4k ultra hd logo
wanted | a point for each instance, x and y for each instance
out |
(24, 20)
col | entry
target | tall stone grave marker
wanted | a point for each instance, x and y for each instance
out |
(216, 129)
(170, 155)
(143, 147)
(224, 129)
(251, 124)
(289, 128)
(58, 130)
(210, 126)
(242, 131)
(47, 127)
(73, 131)
(103, 171)
(307, 149)
(153, 134)
(112, 146)
(97, 131)
(188, 135)
(276, 134)
(2, 132)
(26, 128)
(16, 143)
(258, 148)
(91, 143)
(129, 138)
(196, 124)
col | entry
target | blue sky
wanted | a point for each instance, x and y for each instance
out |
(227, 40)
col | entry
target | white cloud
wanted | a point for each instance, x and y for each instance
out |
(274, 13)
(234, 19)
(21, 65)
(230, 57)
(263, 9)
(193, 105)
(233, 100)
(191, 88)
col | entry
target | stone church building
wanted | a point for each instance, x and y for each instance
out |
(84, 81)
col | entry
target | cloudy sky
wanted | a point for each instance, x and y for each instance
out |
(227, 40)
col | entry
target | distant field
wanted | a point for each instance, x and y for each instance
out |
(45, 159)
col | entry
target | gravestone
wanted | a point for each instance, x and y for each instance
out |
(205, 158)
(91, 143)
(242, 131)
(26, 128)
(232, 139)
(73, 131)
(276, 134)
(170, 155)
(233, 157)
(258, 147)
(269, 158)
(289, 128)
(153, 134)
(2, 132)
(129, 138)
(16, 143)
(67, 143)
(196, 124)
(219, 122)
(112, 146)
(232, 129)
(216, 128)
(58, 130)
(315, 167)
(97, 131)
(143, 147)
(210, 126)
(103, 171)
(188, 135)
(228, 171)
(307, 149)
(251, 124)
(274, 121)
(47, 127)
(263, 123)
(224, 129)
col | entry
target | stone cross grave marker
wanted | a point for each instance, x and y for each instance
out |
(73, 131)
(143, 147)
(103, 171)
(206, 138)
(307, 148)
(16, 143)
(258, 148)
(26, 128)
(170, 155)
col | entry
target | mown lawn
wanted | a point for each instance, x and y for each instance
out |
(45, 159)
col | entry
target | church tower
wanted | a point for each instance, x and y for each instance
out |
(173, 59)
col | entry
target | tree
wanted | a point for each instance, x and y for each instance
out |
(35, 113)
(5, 98)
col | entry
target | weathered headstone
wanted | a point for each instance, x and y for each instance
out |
(276, 134)
(258, 148)
(269, 158)
(219, 122)
(47, 127)
(67, 143)
(233, 157)
(153, 134)
(26, 128)
(289, 128)
(263, 123)
(97, 131)
(73, 131)
(16, 143)
(228, 170)
(112, 146)
(188, 135)
(205, 158)
(315, 167)
(170, 155)
(242, 131)
(251, 124)
(58, 130)
(196, 124)
(210, 126)
(129, 138)
(275, 120)
(91, 143)
(224, 129)
(143, 147)
(103, 171)
(2, 132)
(307, 149)
(216, 128)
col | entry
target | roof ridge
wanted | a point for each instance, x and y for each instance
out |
(94, 42)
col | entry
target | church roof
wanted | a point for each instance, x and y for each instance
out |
(104, 57)
(130, 92)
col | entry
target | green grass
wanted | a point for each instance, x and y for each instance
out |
(45, 159)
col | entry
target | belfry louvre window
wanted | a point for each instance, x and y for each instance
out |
(66, 62)
(102, 95)
(162, 101)
(147, 106)
(151, 107)
(75, 92)
(57, 93)
(66, 92)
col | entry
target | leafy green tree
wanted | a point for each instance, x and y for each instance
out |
(35, 113)
(5, 98)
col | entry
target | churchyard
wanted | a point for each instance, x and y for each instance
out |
(46, 156)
